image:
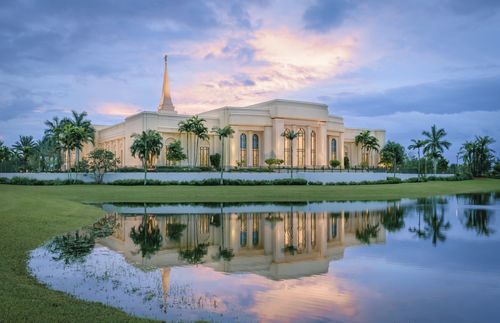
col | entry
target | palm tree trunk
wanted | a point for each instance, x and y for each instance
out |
(77, 150)
(418, 152)
(68, 163)
(291, 158)
(222, 163)
(145, 164)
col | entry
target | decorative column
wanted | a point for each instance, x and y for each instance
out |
(341, 150)
(249, 149)
(268, 143)
(278, 129)
(307, 161)
(322, 147)
(233, 148)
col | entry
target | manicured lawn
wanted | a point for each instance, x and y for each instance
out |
(33, 214)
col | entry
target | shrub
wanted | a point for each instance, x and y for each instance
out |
(215, 160)
(334, 163)
(128, 169)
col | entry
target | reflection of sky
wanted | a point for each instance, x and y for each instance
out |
(403, 280)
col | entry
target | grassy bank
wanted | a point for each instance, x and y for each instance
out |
(33, 214)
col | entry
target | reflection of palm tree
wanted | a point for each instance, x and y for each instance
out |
(193, 255)
(478, 220)
(225, 253)
(419, 233)
(368, 232)
(147, 236)
(436, 224)
(393, 218)
(72, 247)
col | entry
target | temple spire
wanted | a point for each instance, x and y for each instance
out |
(166, 100)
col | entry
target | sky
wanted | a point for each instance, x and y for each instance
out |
(397, 65)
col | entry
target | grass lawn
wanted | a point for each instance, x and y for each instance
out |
(34, 214)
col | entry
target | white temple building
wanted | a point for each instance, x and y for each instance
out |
(258, 134)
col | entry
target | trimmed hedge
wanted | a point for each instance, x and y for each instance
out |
(235, 182)
(33, 181)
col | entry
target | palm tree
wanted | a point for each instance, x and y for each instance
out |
(290, 135)
(435, 144)
(147, 145)
(367, 142)
(84, 134)
(25, 148)
(200, 131)
(186, 126)
(477, 155)
(53, 131)
(66, 138)
(223, 133)
(417, 144)
(4, 152)
(436, 224)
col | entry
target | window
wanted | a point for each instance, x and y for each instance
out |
(204, 156)
(243, 148)
(313, 148)
(333, 149)
(287, 149)
(255, 150)
(301, 151)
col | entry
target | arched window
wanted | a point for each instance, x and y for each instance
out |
(301, 148)
(243, 230)
(333, 149)
(243, 148)
(255, 150)
(313, 148)
(287, 149)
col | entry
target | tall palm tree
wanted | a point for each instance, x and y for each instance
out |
(186, 126)
(85, 133)
(4, 152)
(223, 133)
(290, 135)
(417, 144)
(367, 142)
(53, 131)
(66, 138)
(200, 131)
(436, 224)
(147, 145)
(435, 144)
(25, 148)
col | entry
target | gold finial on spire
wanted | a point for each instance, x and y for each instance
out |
(166, 104)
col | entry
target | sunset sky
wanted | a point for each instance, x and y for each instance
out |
(397, 65)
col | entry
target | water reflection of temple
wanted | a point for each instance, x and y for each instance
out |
(277, 245)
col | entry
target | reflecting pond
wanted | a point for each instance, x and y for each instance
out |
(426, 260)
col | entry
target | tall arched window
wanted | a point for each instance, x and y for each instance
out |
(243, 230)
(243, 148)
(333, 149)
(255, 229)
(287, 149)
(255, 150)
(301, 148)
(204, 156)
(313, 148)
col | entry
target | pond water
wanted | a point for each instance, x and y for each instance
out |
(435, 259)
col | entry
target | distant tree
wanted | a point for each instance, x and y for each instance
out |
(417, 145)
(368, 143)
(83, 133)
(223, 134)
(290, 136)
(146, 146)
(25, 148)
(392, 154)
(101, 161)
(5, 153)
(477, 155)
(175, 153)
(435, 145)
(200, 132)
(186, 126)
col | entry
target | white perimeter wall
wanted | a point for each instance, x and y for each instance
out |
(324, 177)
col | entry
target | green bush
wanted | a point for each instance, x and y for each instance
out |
(129, 170)
(215, 160)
